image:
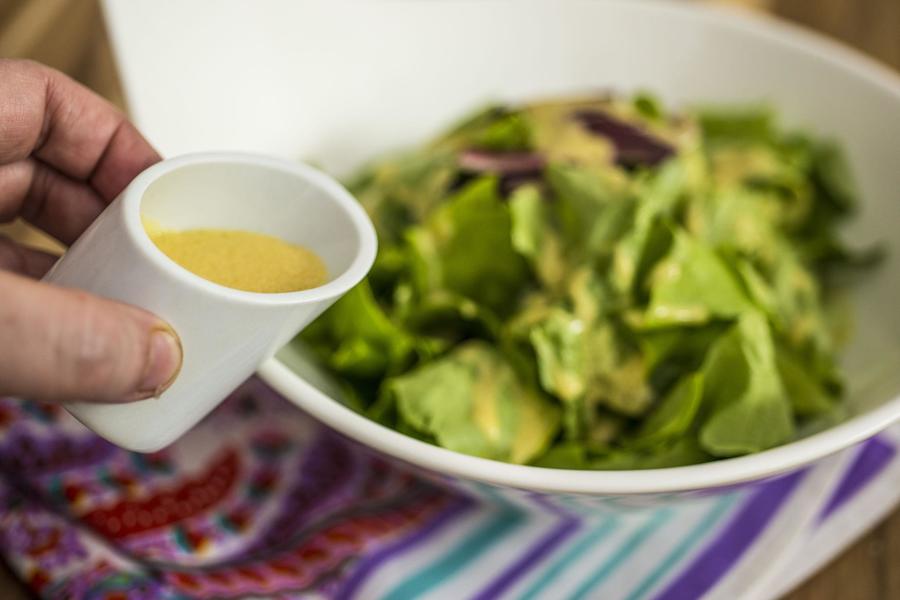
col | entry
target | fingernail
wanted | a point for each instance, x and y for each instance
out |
(163, 363)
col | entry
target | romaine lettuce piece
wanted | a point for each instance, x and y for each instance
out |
(536, 236)
(692, 286)
(592, 209)
(806, 392)
(675, 414)
(356, 338)
(587, 366)
(494, 128)
(471, 401)
(677, 453)
(568, 455)
(737, 125)
(657, 197)
(402, 191)
(747, 403)
(466, 247)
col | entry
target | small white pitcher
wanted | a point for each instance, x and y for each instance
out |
(225, 333)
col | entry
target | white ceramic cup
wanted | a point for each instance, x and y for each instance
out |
(225, 333)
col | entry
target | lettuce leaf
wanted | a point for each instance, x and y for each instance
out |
(536, 236)
(675, 414)
(747, 403)
(568, 455)
(692, 286)
(356, 338)
(471, 401)
(466, 247)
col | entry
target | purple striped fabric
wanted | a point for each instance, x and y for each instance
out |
(871, 458)
(541, 549)
(733, 540)
(368, 564)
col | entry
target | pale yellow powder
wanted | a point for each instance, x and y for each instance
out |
(242, 260)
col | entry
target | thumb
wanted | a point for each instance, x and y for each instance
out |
(64, 345)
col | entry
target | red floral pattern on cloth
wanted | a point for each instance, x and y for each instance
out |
(256, 500)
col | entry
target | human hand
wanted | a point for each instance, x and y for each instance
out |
(65, 153)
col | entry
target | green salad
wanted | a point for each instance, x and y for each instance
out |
(599, 284)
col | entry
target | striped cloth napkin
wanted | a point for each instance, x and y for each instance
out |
(260, 501)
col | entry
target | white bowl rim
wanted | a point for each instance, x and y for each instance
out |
(710, 475)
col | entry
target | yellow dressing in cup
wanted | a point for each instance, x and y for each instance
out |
(242, 260)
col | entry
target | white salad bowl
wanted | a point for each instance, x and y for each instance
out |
(342, 84)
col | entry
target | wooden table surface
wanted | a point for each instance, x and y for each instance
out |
(870, 569)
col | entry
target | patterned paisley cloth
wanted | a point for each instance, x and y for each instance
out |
(259, 501)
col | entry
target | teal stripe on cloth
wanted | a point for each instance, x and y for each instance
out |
(713, 516)
(624, 551)
(457, 558)
(590, 539)
(507, 519)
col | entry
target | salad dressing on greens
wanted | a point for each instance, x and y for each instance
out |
(599, 284)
